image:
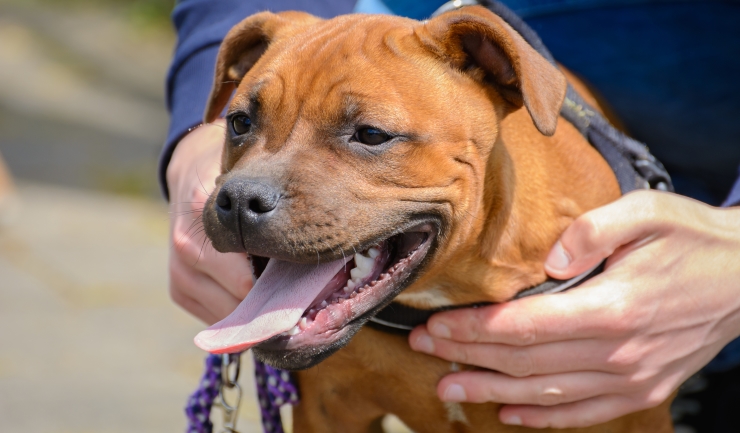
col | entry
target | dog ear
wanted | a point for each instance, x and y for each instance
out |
(475, 37)
(242, 48)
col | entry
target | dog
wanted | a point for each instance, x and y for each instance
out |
(371, 159)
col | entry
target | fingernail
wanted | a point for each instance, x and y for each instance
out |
(424, 343)
(513, 420)
(440, 330)
(558, 259)
(455, 393)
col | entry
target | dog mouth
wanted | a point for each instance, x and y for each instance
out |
(313, 306)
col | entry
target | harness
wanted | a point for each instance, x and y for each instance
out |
(633, 165)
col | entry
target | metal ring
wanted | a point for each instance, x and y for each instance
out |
(227, 360)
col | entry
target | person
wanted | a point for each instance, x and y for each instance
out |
(669, 299)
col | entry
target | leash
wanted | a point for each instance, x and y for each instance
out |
(220, 380)
(633, 165)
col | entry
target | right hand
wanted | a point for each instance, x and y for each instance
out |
(204, 282)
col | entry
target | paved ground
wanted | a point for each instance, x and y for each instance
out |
(82, 95)
(89, 339)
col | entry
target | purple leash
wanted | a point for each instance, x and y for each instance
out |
(274, 388)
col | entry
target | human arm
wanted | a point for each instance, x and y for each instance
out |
(667, 303)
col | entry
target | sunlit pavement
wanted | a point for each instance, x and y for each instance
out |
(89, 339)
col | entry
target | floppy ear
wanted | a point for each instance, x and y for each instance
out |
(242, 48)
(476, 38)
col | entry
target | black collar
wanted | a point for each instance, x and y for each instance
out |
(401, 319)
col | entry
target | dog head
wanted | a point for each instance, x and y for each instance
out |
(356, 158)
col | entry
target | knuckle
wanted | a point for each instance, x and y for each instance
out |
(550, 397)
(461, 354)
(589, 229)
(525, 331)
(624, 359)
(520, 363)
(176, 294)
(620, 320)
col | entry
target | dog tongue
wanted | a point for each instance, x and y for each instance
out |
(274, 305)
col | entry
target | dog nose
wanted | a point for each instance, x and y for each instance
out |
(244, 201)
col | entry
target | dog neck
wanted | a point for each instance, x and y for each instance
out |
(535, 187)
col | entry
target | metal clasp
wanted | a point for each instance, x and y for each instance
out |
(230, 365)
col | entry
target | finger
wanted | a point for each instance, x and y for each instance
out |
(516, 361)
(191, 306)
(583, 413)
(231, 271)
(595, 235)
(202, 289)
(549, 390)
(593, 310)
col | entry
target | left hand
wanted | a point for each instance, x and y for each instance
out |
(667, 303)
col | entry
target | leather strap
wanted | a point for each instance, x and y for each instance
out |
(399, 318)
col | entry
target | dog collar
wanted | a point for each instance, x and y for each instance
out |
(401, 319)
(631, 161)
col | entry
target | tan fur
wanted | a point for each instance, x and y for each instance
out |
(480, 109)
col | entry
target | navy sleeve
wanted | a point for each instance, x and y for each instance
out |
(200, 26)
(733, 199)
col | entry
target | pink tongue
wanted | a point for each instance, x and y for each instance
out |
(274, 305)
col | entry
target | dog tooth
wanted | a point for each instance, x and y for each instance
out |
(295, 330)
(373, 252)
(323, 304)
(303, 323)
(360, 290)
(364, 263)
(353, 294)
(351, 284)
(359, 273)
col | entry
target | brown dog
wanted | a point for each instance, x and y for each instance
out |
(372, 158)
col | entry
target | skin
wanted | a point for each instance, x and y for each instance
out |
(206, 283)
(639, 347)
(644, 326)
(627, 332)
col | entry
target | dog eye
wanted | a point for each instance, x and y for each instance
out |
(241, 124)
(371, 136)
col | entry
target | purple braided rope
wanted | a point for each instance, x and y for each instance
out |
(198, 409)
(274, 389)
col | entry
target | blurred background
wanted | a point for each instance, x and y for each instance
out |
(89, 340)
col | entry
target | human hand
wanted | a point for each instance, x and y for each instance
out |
(206, 283)
(667, 303)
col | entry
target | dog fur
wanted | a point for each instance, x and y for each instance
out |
(479, 153)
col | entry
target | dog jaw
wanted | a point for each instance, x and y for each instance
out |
(446, 163)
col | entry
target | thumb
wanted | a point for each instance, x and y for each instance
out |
(595, 235)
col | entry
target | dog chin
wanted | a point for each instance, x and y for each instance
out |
(331, 322)
(278, 352)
